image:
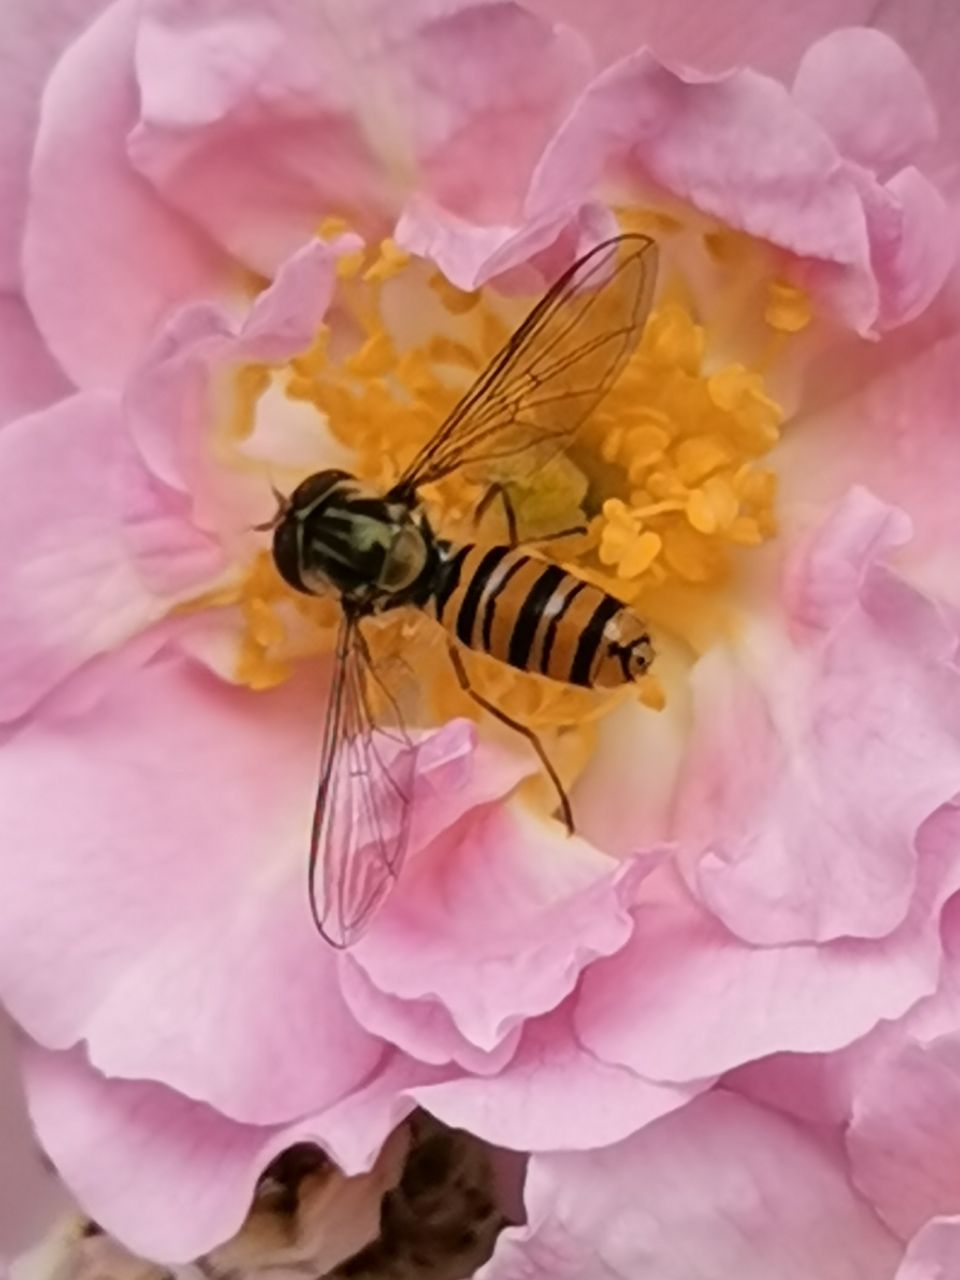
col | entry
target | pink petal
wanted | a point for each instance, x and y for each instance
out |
(738, 148)
(30, 1195)
(932, 1253)
(904, 1137)
(861, 86)
(102, 558)
(526, 1106)
(177, 967)
(868, 697)
(103, 260)
(896, 434)
(29, 377)
(259, 120)
(715, 37)
(817, 1088)
(928, 32)
(185, 969)
(173, 1178)
(31, 40)
(720, 1188)
(685, 999)
(172, 396)
(703, 34)
(903, 1140)
(506, 895)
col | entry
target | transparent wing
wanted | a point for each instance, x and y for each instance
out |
(554, 371)
(361, 822)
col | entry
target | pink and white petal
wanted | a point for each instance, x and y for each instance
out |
(735, 146)
(421, 1028)
(773, 36)
(895, 431)
(30, 1194)
(526, 1106)
(506, 895)
(102, 267)
(174, 1178)
(109, 555)
(719, 1188)
(868, 95)
(933, 1251)
(816, 1088)
(913, 243)
(928, 32)
(193, 974)
(686, 999)
(176, 395)
(770, 35)
(31, 40)
(740, 150)
(866, 694)
(260, 120)
(30, 379)
(904, 1138)
(175, 936)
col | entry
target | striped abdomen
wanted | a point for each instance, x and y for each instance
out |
(538, 617)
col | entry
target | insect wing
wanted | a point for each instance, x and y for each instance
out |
(554, 371)
(361, 822)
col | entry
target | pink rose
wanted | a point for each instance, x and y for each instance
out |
(244, 241)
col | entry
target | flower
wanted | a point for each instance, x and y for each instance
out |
(290, 230)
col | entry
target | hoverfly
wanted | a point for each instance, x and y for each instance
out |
(378, 552)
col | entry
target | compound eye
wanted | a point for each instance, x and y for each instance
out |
(404, 561)
(286, 552)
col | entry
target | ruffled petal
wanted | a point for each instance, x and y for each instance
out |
(175, 398)
(866, 695)
(174, 1178)
(259, 120)
(892, 434)
(92, 547)
(30, 378)
(903, 1140)
(525, 1106)
(703, 34)
(30, 1194)
(180, 911)
(719, 1188)
(740, 149)
(686, 999)
(102, 267)
(932, 1253)
(508, 896)
(869, 96)
(193, 975)
(31, 40)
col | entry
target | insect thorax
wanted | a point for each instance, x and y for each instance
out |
(338, 536)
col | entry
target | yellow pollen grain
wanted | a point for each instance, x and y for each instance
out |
(390, 261)
(457, 301)
(332, 226)
(788, 308)
(667, 479)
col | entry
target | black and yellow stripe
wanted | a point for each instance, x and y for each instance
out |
(538, 617)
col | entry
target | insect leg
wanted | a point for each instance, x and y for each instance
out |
(486, 502)
(480, 700)
(575, 530)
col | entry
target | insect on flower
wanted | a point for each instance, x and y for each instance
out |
(378, 552)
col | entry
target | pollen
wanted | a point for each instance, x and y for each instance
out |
(665, 490)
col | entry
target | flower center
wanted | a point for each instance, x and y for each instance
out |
(668, 479)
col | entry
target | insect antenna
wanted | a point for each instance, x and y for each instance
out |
(283, 506)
